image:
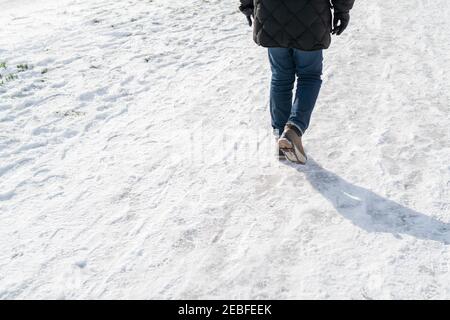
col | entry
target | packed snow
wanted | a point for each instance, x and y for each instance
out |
(137, 158)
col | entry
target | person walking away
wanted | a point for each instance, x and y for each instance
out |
(295, 32)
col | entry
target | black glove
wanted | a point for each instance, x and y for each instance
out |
(340, 22)
(248, 12)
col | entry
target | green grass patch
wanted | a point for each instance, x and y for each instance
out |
(22, 67)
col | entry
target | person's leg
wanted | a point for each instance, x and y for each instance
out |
(282, 84)
(309, 65)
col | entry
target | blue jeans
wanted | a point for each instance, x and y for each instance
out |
(286, 64)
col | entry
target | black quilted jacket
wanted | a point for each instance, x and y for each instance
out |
(301, 24)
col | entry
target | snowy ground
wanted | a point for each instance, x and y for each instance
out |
(136, 158)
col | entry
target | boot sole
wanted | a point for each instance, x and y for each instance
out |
(291, 152)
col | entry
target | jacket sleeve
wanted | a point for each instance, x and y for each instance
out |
(246, 4)
(342, 5)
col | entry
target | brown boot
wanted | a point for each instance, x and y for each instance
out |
(278, 151)
(280, 154)
(290, 144)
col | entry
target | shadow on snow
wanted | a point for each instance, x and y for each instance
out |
(371, 211)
